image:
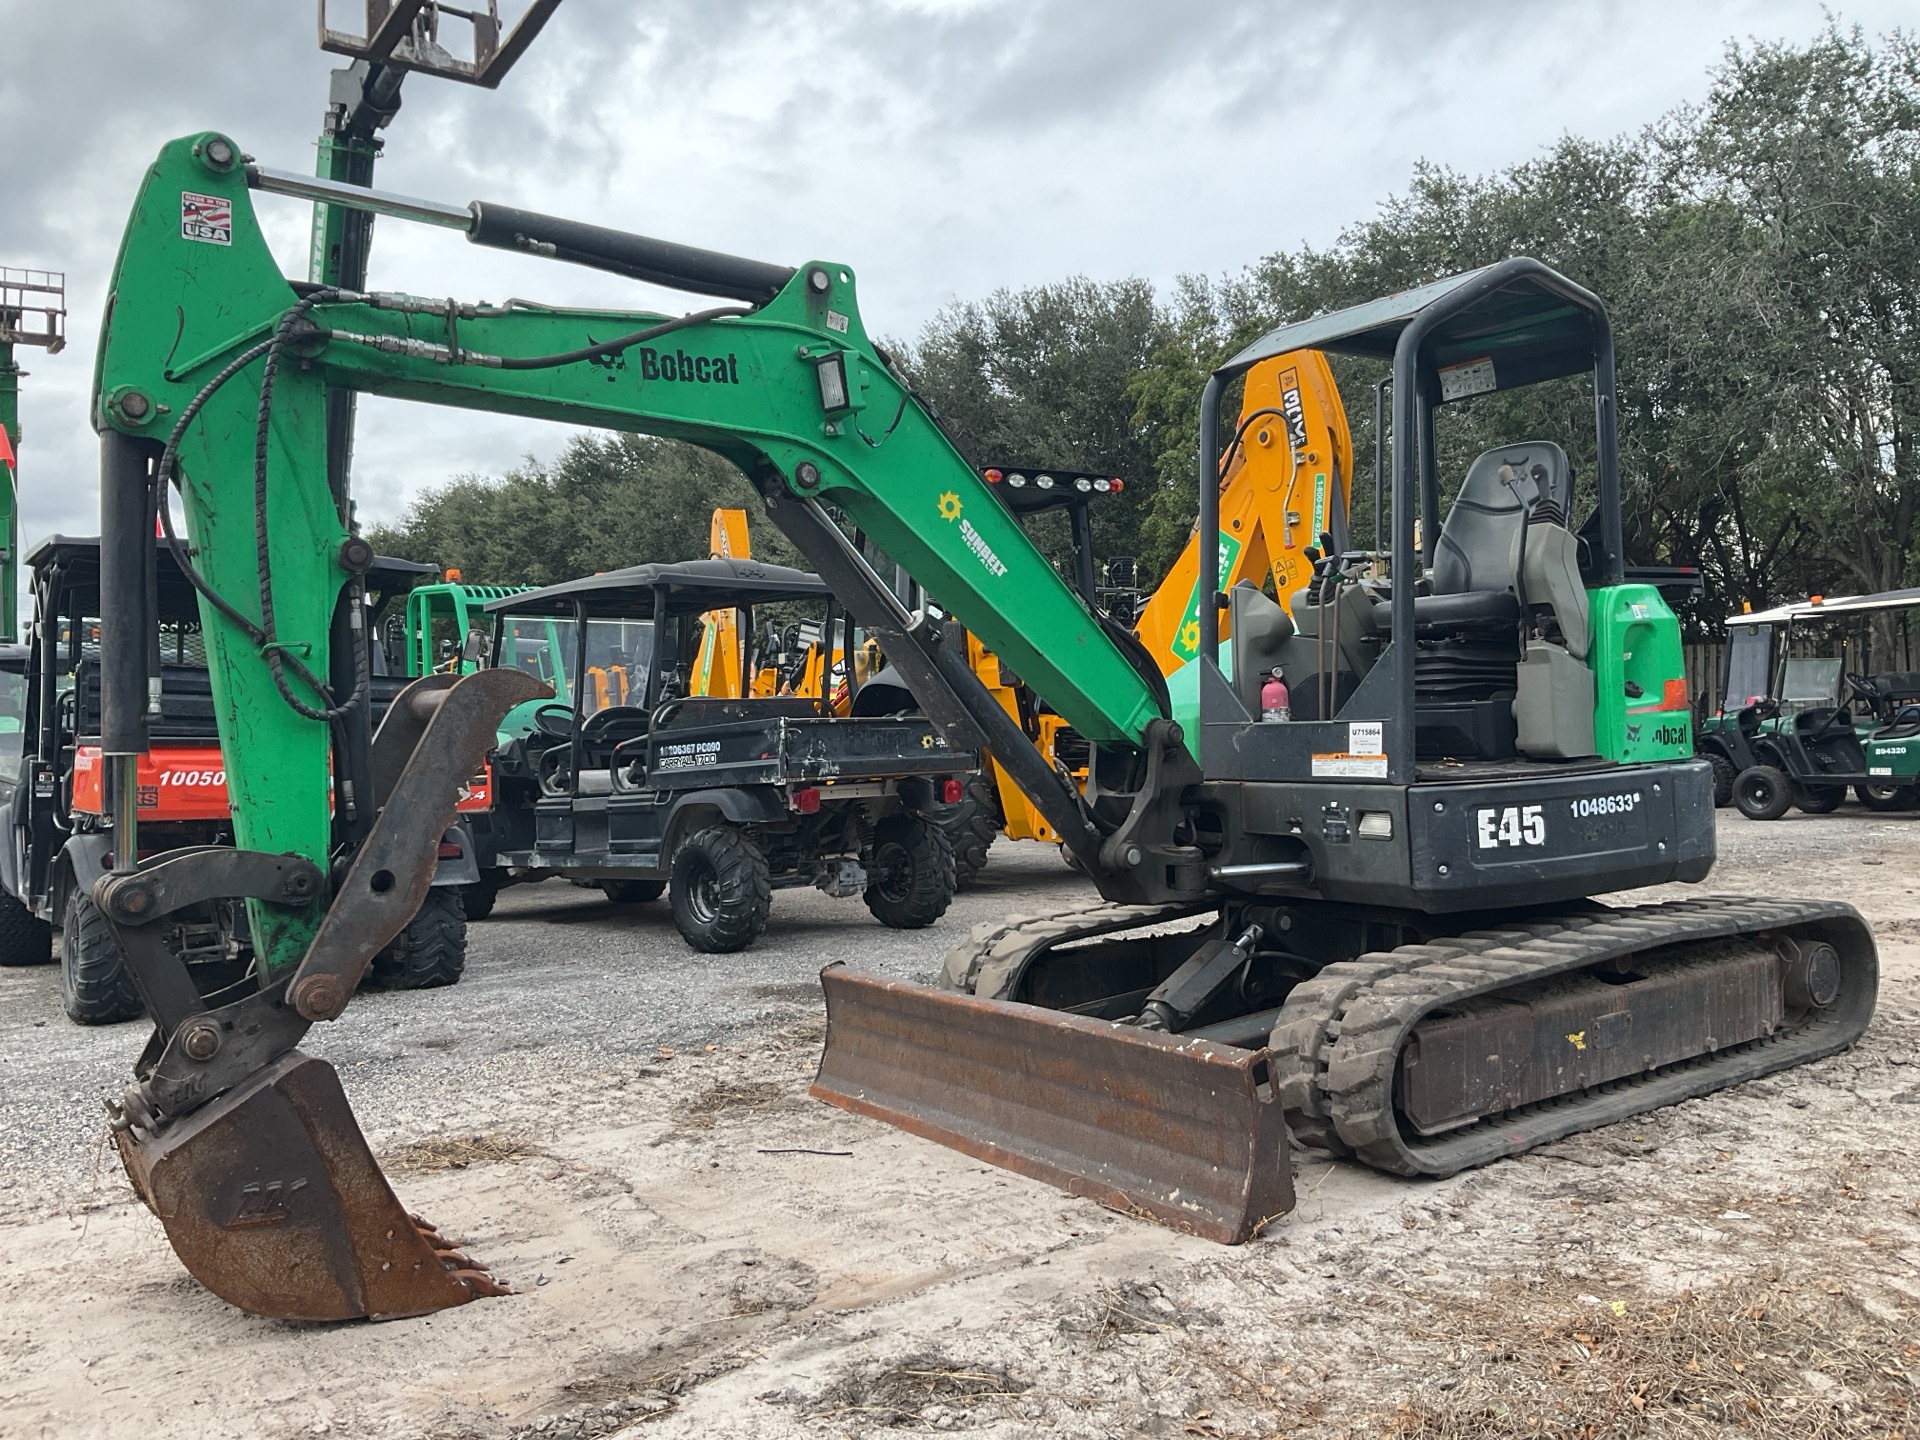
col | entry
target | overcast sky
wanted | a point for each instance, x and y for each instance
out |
(943, 148)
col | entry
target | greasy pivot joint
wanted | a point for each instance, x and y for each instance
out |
(319, 997)
(201, 1042)
(356, 555)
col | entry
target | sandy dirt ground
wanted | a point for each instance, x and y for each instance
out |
(1741, 1264)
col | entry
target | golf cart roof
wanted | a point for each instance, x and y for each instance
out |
(1830, 607)
(687, 586)
(1521, 318)
(70, 550)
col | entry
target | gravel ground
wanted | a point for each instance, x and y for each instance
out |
(592, 1111)
(560, 984)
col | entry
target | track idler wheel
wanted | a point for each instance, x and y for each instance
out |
(272, 1200)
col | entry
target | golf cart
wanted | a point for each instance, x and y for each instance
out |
(1820, 695)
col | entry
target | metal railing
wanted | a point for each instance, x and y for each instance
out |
(33, 308)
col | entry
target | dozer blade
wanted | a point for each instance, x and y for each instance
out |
(1183, 1129)
(272, 1200)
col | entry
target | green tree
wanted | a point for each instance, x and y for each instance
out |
(1792, 202)
(608, 501)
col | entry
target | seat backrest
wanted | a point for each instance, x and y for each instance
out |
(1475, 550)
(186, 703)
(1261, 629)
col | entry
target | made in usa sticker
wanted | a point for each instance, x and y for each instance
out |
(206, 218)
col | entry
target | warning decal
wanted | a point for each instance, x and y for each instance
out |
(1339, 766)
(207, 218)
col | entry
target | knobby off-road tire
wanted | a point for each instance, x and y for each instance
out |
(1724, 774)
(431, 951)
(476, 901)
(971, 827)
(25, 939)
(95, 986)
(721, 891)
(1762, 792)
(633, 892)
(910, 874)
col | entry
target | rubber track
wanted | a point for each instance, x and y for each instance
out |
(997, 950)
(1338, 1040)
(1337, 1043)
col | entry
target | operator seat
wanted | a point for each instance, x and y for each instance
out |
(1506, 547)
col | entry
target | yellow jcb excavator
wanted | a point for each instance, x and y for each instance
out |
(1286, 481)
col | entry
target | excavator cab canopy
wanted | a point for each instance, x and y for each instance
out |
(1524, 329)
(1513, 323)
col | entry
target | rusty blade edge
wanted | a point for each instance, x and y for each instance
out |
(1233, 1230)
(889, 1042)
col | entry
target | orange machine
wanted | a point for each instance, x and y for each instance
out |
(716, 668)
(1289, 466)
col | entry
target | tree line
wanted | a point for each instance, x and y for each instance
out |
(1759, 252)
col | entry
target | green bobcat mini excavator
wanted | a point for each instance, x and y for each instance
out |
(1372, 920)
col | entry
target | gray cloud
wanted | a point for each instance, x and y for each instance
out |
(944, 147)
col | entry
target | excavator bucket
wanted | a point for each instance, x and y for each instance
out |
(272, 1200)
(268, 1191)
(1182, 1129)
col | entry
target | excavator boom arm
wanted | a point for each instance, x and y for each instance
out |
(793, 392)
(214, 372)
(1288, 478)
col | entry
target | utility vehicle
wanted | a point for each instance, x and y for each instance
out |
(629, 781)
(59, 809)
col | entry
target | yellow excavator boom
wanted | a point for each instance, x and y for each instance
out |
(1290, 465)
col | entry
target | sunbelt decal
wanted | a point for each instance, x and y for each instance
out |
(950, 509)
(1186, 640)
